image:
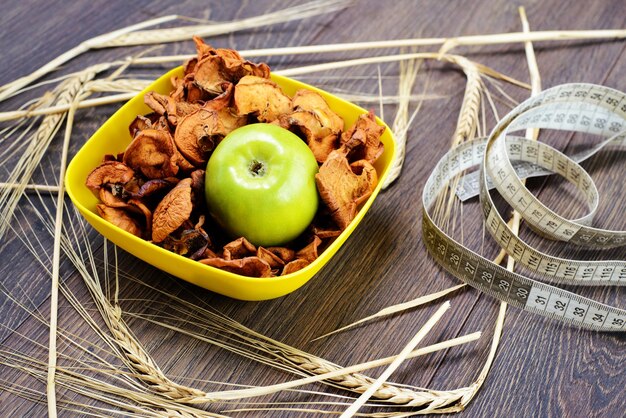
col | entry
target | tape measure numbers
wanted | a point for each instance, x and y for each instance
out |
(572, 107)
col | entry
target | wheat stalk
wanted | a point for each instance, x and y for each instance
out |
(109, 39)
(38, 143)
(31, 187)
(391, 310)
(401, 123)
(130, 90)
(397, 361)
(8, 89)
(448, 43)
(514, 222)
(135, 356)
(133, 35)
(454, 59)
(466, 127)
(143, 404)
(319, 368)
(150, 374)
(307, 363)
(56, 259)
(62, 108)
(124, 85)
(538, 36)
(147, 371)
(168, 395)
(159, 36)
(122, 341)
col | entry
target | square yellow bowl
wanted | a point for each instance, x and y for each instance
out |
(113, 137)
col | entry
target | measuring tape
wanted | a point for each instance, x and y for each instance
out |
(469, 185)
(503, 160)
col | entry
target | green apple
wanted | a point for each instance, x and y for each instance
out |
(260, 184)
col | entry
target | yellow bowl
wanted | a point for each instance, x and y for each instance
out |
(113, 137)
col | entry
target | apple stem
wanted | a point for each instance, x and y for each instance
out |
(257, 168)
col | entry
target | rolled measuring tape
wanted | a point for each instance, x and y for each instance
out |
(503, 160)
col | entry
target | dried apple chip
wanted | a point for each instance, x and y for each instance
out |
(223, 100)
(169, 107)
(192, 243)
(197, 185)
(130, 188)
(208, 75)
(139, 207)
(198, 133)
(155, 186)
(176, 110)
(116, 200)
(212, 72)
(195, 135)
(230, 120)
(248, 266)
(238, 248)
(362, 140)
(319, 124)
(321, 145)
(367, 173)
(120, 218)
(260, 97)
(341, 189)
(309, 253)
(325, 122)
(259, 70)
(172, 211)
(294, 266)
(216, 66)
(142, 122)
(184, 166)
(188, 67)
(155, 101)
(110, 199)
(193, 92)
(227, 117)
(326, 233)
(272, 259)
(179, 93)
(310, 101)
(109, 172)
(202, 49)
(284, 253)
(234, 64)
(152, 153)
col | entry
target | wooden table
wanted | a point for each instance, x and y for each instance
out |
(542, 368)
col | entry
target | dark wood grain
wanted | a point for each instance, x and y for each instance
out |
(542, 368)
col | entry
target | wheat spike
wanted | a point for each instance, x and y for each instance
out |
(468, 116)
(142, 363)
(38, 143)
